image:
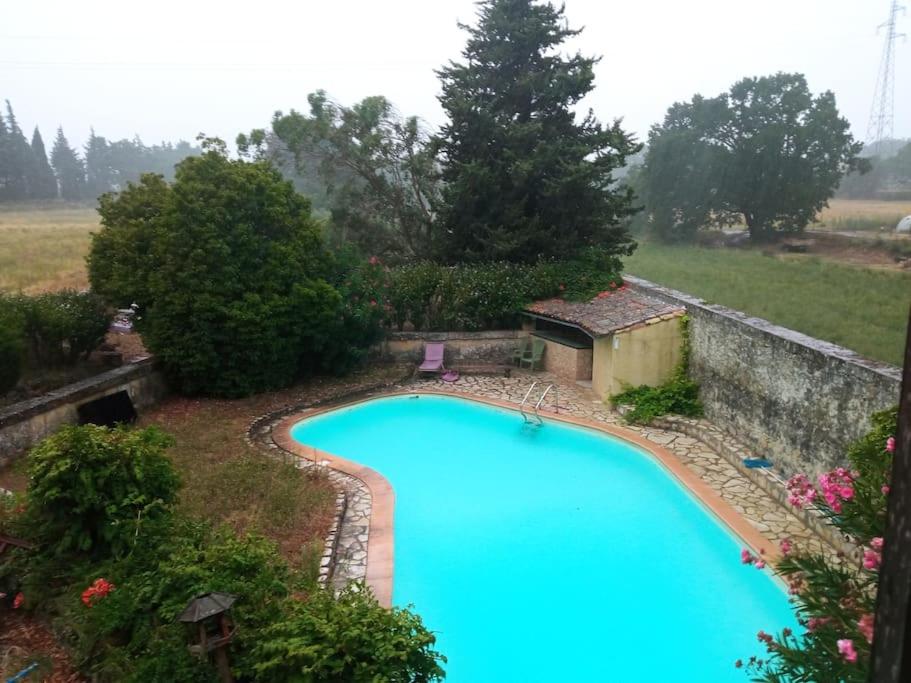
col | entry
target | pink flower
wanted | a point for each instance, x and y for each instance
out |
(885, 489)
(764, 637)
(800, 491)
(836, 487)
(846, 650)
(746, 557)
(877, 544)
(759, 564)
(373, 261)
(872, 559)
(890, 444)
(18, 600)
(865, 626)
(785, 546)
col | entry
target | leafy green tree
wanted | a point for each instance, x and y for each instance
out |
(377, 167)
(231, 271)
(523, 178)
(120, 261)
(42, 182)
(16, 158)
(68, 167)
(767, 152)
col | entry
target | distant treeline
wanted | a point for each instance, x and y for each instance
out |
(103, 166)
(888, 178)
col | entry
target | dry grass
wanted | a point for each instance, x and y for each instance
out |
(227, 481)
(43, 246)
(862, 214)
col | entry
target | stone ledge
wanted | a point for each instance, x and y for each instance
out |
(71, 393)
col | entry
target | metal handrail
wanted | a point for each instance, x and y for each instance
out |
(556, 399)
(522, 404)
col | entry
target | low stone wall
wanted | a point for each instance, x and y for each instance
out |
(24, 424)
(495, 346)
(796, 400)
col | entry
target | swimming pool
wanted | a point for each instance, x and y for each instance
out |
(552, 553)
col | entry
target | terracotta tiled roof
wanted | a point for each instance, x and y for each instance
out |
(609, 312)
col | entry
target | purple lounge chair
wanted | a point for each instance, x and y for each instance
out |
(433, 357)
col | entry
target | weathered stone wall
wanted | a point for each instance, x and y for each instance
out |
(797, 400)
(24, 424)
(494, 346)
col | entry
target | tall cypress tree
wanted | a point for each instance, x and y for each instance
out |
(17, 158)
(4, 159)
(42, 182)
(100, 174)
(68, 167)
(524, 178)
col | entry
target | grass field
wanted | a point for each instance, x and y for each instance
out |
(861, 214)
(863, 309)
(43, 247)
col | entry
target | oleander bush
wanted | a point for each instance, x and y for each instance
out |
(834, 596)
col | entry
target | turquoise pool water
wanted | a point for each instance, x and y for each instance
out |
(552, 553)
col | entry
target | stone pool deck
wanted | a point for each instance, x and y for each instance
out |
(346, 554)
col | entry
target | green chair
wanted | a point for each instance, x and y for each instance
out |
(521, 350)
(537, 351)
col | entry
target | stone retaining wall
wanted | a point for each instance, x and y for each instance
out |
(796, 400)
(495, 346)
(24, 424)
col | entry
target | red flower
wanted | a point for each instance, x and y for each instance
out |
(99, 588)
(18, 600)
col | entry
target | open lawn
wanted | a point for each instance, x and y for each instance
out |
(43, 246)
(863, 309)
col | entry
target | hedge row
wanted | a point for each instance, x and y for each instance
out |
(432, 297)
(48, 330)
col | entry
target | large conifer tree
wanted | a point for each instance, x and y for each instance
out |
(42, 181)
(68, 167)
(524, 178)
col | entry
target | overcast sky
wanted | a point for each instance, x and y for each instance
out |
(168, 70)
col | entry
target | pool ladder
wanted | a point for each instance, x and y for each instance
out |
(534, 417)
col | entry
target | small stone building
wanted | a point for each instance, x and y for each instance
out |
(618, 339)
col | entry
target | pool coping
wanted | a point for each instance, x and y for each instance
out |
(380, 538)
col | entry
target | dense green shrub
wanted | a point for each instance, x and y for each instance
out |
(12, 345)
(63, 327)
(350, 637)
(92, 488)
